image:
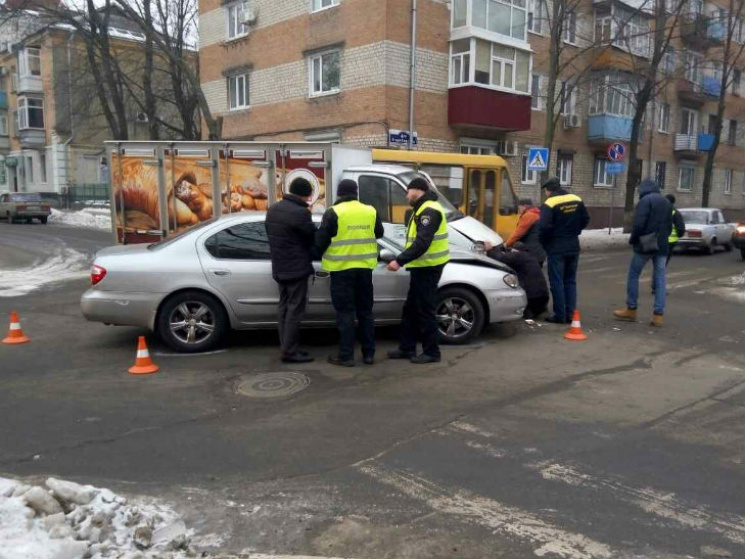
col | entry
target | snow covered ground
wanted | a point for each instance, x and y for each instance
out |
(91, 218)
(63, 264)
(65, 520)
(599, 239)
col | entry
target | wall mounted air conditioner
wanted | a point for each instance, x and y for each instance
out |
(571, 121)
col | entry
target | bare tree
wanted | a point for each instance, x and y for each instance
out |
(732, 53)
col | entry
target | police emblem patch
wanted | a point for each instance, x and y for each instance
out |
(426, 220)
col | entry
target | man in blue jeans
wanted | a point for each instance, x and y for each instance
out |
(653, 218)
(563, 217)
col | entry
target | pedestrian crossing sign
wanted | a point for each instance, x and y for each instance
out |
(537, 159)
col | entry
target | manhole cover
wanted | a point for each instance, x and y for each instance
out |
(272, 385)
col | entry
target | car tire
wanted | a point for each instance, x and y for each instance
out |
(203, 322)
(460, 315)
(44, 220)
(709, 249)
(728, 247)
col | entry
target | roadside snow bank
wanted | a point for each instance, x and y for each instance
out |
(91, 218)
(64, 264)
(599, 239)
(65, 520)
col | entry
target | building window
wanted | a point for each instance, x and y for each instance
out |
(460, 62)
(732, 135)
(535, 92)
(536, 16)
(612, 95)
(317, 5)
(564, 169)
(236, 14)
(325, 73)
(3, 125)
(43, 166)
(30, 113)
(29, 168)
(568, 98)
(634, 33)
(600, 176)
(686, 178)
(238, 92)
(663, 121)
(495, 65)
(660, 173)
(728, 181)
(506, 17)
(713, 120)
(736, 78)
(692, 67)
(527, 177)
(477, 147)
(603, 27)
(688, 122)
(570, 27)
(668, 60)
(30, 62)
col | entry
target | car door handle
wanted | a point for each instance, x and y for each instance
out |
(220, 273)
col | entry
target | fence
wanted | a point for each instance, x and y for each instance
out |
(88, 194)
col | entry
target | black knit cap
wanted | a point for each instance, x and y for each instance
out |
(670, 198)
(419, 183)
(347, 187)
(552, 184)
(301, 187)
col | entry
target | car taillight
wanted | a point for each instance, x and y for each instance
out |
(45, 208)
(694, 233)
(97, 274)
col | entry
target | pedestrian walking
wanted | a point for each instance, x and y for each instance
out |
(679, 229)
(526, 231)
(653, 225)
(425, 255)
(291, 234)
(347, 239)
(528, 273)
(563, 217)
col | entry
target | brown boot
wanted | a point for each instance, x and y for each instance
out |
(625, 314)
(657, 320)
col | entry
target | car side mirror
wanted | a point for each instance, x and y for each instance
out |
(386, 255)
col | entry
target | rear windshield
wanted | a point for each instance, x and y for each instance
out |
(173, 238)
(695, 217)
(30, 197)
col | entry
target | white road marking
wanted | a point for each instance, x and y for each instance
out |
(64, 264)
(468, 428)
(489, 513)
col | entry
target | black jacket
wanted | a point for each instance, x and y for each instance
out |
(563, 217)
(653, 214)
(291, 233)
(330, 226)
(425, 229)
(678, 223)
(527, 269)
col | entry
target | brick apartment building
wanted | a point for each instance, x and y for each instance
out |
(339, 70)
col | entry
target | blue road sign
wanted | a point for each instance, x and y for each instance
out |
(615, 168)
(617, 151)
(537, 159)
(401, 137)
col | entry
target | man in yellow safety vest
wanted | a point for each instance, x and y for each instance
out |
(425, 255)
(347, 238)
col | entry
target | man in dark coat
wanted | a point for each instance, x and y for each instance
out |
(526, 231)
(529, 273)
(291, 233)
(653, 216)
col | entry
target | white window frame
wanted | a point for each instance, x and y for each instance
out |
(318, 5)
(235, 83)
(693, 63)
(607, 98)
(565, 163)
(22, 117)
(692, 129)
(570, 27)
(235, 16)
(568, 103)
(600, 176)
(311, 73)
(604, 24)
(536, 15)
(28, 168)
(536, 102)
(474, 146)
(728, 181)
(663, 118)
(526, 176)
(4, 131)
(514, 6)
(464, 64)
(668, 60)
(687, 169)
(467, 76)
(23, 61)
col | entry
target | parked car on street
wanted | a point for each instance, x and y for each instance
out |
(24, 206)
(193, 287)
(738, 239)
(706, 229)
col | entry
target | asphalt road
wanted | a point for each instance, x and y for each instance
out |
(630, 444)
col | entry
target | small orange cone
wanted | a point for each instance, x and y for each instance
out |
(15, 334)
(143, 364)
(575, 332)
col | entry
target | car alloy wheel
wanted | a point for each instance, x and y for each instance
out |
(455, 317)
(192, 322)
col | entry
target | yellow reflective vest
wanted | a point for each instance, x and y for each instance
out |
(673, 238)
(354, 245)
(439, 250)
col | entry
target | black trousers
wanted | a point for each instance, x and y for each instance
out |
(419, 321)
(293, 300)
(352, 296)
(536, 307)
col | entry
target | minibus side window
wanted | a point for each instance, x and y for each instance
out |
(449, 181)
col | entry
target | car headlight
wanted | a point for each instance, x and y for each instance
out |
(741, 229)
(511, 281)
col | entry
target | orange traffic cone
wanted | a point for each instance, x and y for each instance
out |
(15, 334)
(575, 332)
(143, 364)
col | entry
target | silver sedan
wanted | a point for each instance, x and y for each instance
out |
(193, 287)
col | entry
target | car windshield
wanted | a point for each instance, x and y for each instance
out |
(395, 235)
(31, 197)
(173, 238)
(451, 212)
(695, 217)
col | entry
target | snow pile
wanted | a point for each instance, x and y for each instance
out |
(599, 239)
(65, 520)
(64, 264)
(91, 218)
